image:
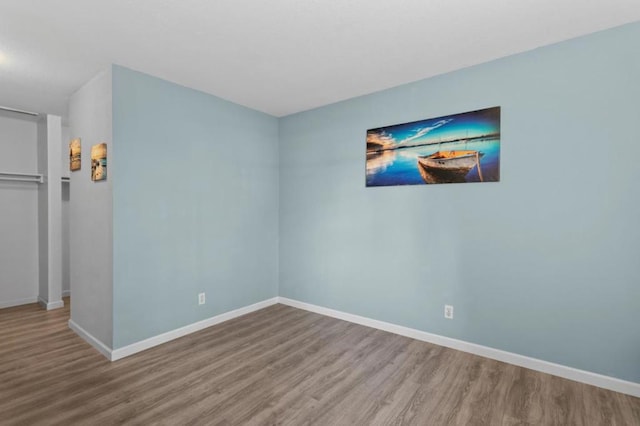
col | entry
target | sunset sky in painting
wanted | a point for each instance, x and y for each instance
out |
(470, 124)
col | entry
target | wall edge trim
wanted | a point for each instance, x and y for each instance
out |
(168, 336)
(89, 338)
(582, 376)
(18, 302)
(50, 305)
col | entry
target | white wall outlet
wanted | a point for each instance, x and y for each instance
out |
(201, 299)
(448, 311)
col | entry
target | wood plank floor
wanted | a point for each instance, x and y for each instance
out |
(279, 365)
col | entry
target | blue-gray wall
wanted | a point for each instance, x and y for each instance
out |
(195, 206)
(543, 263)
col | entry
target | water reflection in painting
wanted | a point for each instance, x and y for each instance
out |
(453, 149)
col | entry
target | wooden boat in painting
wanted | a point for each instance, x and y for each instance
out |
(450, 162)
(448, 166)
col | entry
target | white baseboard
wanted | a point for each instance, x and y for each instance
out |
(599, 380)
(18, 302)
(88, 337)
(51, 305)
(66, 293)
(142, 345)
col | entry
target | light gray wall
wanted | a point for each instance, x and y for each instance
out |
(543, 263)
(43, 219)
(66, 193)
(90, 213)
(66, 243)
(50, 211)
(19, 218)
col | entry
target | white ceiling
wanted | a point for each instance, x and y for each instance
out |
(276, 56)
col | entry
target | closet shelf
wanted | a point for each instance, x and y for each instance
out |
(21, 177)
(27, 177)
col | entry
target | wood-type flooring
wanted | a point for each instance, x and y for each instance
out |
(279, 365)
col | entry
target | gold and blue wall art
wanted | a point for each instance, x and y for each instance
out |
(99, 162)
(455, 148)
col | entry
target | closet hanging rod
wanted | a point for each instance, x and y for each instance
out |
(21, 177)
(19, 111)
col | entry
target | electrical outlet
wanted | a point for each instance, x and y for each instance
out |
(201, 299)
(448, 311)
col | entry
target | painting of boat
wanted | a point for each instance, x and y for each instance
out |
(448, 166)
(457, 148)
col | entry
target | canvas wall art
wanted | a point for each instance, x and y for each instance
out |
(455, 148)
(99, 162)
(75, 154)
